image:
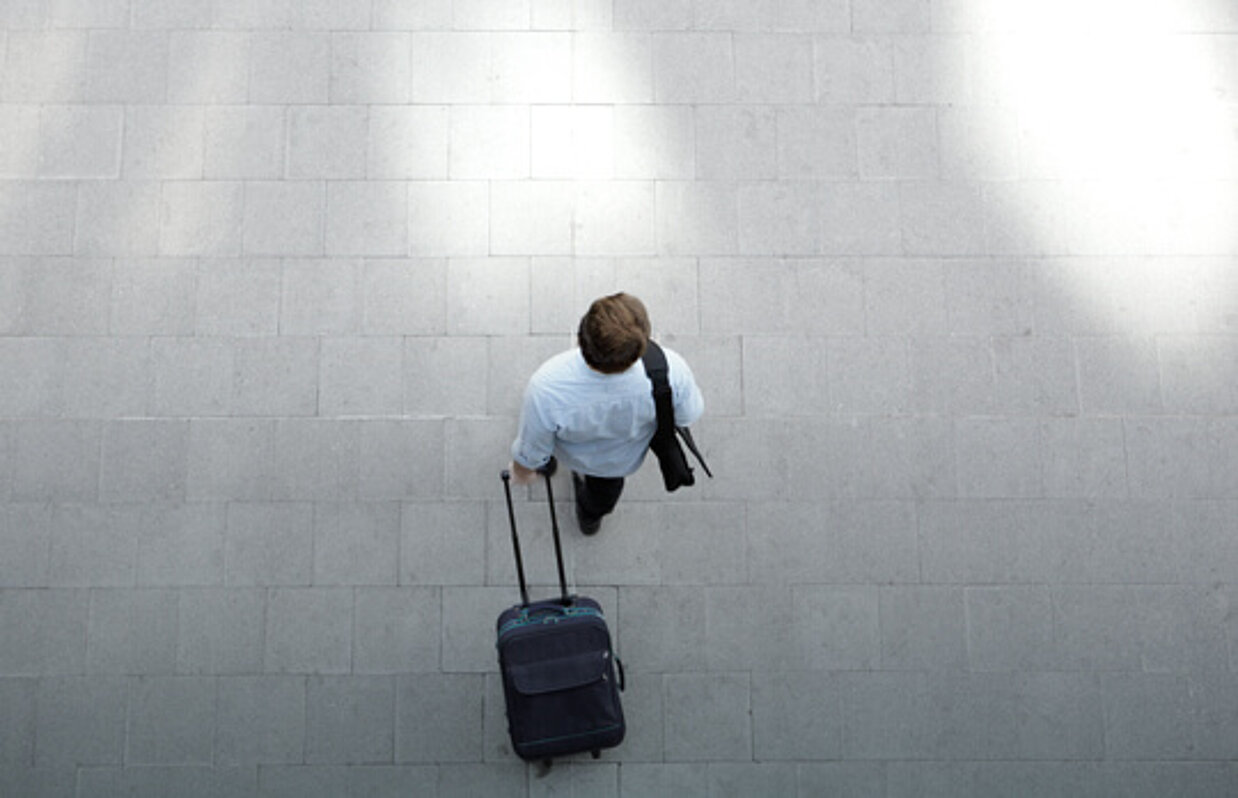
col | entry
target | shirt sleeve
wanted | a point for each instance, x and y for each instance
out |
(535, 439)
(689, 403)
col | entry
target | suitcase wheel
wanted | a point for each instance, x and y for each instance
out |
(596, 754)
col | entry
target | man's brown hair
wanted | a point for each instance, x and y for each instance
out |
(614, 332)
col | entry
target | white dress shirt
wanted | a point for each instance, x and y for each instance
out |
(597, 424)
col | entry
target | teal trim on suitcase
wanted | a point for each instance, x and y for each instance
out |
(547, 619)
(550, 740)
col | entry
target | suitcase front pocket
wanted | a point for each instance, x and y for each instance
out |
(566, 673)
(563, 705)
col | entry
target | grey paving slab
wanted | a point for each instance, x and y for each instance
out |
(841, 778)
(317, 459)
(895, 142)
(404, 297)
(1084, 458)
(231, 460)
(1096, 629)
(278, 377)
(429, 723)
(105, 214)
(788, 725)
(834, 628)
(201, 218)
(227, 52)
(462, 780)
(155, 780)
(999, 458)
(1035, 377)
(44, 782)
(153, 296)
(290, 780)
(319, 139)
(390, 781)
(309, 630)
(144, 460)
(61, 296)
(1010, 628)
(220, 631)
(319, 297)
(354, 228)
(180, 545)
(192, 376)
(440, 376)
(1061, 716)
(59, 461)
(351, 719)
(397, 630)
(439, 543)
(663, 629)
(708, 716)
(170, 721)
(1132, 701)
(26, 545)
(33, 52)
(600, 780)
(163, 142)
(80, 141)
(125, 66)
(104, 377)
(1118, 375)
(356, 544)
(686, 779)
(360, 376)
(80, 721)
(132, 632)
(241, 141)
(260, 719)
(982, 778)
(91, 546)
(17, 699)
(237, 297)
(40, 394)
(270, 544)
(401, 460)
(371, 67)
(833, 542)
(290, 67)
(923, 628)
(284, 217)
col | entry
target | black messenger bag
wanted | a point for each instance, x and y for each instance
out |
(676, 472)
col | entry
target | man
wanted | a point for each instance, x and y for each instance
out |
(592, 408)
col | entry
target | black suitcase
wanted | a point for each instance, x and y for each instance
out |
(558, 666)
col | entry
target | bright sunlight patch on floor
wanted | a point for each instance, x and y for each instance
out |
(1126, 139)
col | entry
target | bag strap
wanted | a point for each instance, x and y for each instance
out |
(686, 434)
(657, 369)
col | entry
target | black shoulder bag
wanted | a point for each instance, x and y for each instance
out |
(665, 444)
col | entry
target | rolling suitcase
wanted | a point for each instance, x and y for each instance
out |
(558, 666)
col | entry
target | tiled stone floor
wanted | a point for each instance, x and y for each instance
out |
(958, 279)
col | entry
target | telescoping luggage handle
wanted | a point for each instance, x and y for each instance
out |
(554, 525)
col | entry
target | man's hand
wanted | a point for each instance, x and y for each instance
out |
(522, 475)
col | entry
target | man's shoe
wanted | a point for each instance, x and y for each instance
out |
(588, 525)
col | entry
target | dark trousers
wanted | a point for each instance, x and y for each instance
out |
(598, 496)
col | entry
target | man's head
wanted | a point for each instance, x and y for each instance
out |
(613, 333)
